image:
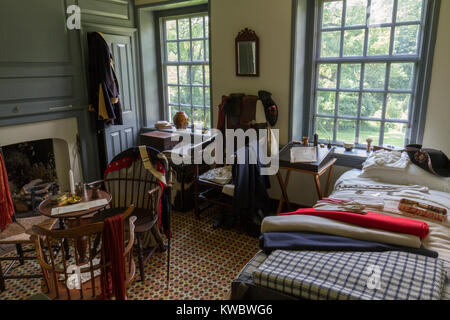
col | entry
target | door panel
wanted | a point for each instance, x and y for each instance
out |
(120, 138)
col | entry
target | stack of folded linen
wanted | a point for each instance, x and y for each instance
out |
(311, 229)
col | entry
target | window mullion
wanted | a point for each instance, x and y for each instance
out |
(394, 20)
(336, 106)
(361, 87)
(190, 69)
(386, 88)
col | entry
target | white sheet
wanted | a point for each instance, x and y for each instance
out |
(351, 187)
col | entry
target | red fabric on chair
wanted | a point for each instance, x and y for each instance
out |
(113, 280)
(6, 204)
(372, 220)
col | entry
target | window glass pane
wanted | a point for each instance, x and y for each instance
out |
(199, 117)
(324, 128)
(197, 74)
(172, 75)
(185, 51)
(171, 30)
(206, 26)
(406, 39)
(208, 117)
(184, 75)
(350, 76)
(332, 14)
(185, 95)
(346, 131)
(327, 76)
(172, 51)
(354, 43)
(207, 50)
(197, 27)
(207, 96)
(381, 11)
(188, 111)
(379, 41)
(173, 94)
(348, 104)
(326, 101)
(369, 129)
(372, 105)
(206, 74)
(409, 10)
(356, 12)
(331, 43)
(401, 77)
(395, 134)
(183, 29)
(374, 76)
(172, 111)
(197, 50)
(398, 106)
(197, 96)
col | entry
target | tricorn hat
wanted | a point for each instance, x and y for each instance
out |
(431, 160)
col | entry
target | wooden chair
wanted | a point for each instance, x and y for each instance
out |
(59, 279)
(134, 184)
(18, 233)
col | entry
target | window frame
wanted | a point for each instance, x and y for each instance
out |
(175, 14)
(421, 82)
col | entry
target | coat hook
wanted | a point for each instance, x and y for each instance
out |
(16, 109)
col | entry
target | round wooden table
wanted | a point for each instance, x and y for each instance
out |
(46, 206)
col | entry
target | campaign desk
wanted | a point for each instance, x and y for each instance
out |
(325, 162)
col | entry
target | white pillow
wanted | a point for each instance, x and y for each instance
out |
(411, 175)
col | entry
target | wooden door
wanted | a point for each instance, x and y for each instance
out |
(120, 138)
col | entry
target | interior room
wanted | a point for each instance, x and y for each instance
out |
(224, 150)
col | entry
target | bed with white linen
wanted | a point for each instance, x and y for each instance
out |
(346, 275)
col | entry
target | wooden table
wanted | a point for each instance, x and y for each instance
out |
(324, 163)
(46, 206)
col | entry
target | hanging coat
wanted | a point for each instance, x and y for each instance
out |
(6, 204)
(103, 86)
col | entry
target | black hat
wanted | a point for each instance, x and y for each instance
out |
(431, 160)
(270, 107)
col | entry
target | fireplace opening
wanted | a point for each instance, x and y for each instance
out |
(31, 171)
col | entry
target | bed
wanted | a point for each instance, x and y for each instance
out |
(288, 274)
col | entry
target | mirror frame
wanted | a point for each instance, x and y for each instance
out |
(247, 35)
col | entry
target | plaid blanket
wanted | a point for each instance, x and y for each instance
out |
(352, 275)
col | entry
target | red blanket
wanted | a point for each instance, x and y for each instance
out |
(6, 205)
(372, 220)
(113, 280)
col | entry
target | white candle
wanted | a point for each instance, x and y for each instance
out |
(72, 183)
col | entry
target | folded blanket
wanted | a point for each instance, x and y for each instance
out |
(371, 220)
(307, 241)
(299, 223)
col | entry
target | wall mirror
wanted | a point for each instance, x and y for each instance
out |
(247, 54)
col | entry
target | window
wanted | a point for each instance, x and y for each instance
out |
(185, 66)
(367, 60)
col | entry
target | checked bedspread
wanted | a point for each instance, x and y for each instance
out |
(353, 275)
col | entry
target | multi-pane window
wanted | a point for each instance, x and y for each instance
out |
(186, 67)
(367, 57)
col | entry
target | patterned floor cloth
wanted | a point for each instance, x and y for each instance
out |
(204, 262)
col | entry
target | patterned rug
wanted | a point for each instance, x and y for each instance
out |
(204, 261)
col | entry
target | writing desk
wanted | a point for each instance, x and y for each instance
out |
(324, 163)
